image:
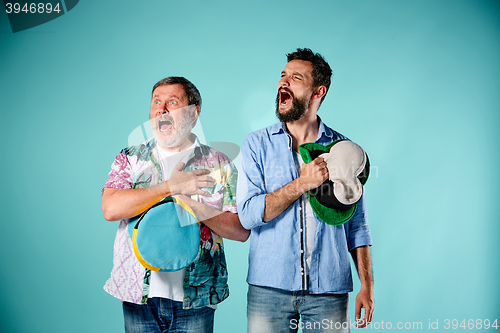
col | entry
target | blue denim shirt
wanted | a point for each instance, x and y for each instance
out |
(277, 247)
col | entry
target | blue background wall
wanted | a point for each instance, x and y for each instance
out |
(415, 83)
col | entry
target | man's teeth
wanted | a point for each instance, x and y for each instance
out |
(284, 97)
(165, 125)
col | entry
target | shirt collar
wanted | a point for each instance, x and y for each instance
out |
(280, 128)
(324, 131)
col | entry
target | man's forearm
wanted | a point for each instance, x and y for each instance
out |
(362, 259)
(122, 204)
(227, 225)
(279, 200)
(365, 298)
(127, 203)
(224, 224)
(312, 175)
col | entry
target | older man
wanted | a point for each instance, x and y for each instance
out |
(299, 266)
(173, 163)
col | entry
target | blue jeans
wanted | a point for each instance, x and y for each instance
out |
(271, 310)
(161, 315)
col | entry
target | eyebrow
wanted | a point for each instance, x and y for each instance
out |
(175, 96)
(294, 73)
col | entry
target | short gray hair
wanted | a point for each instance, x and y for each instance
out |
(192, 93)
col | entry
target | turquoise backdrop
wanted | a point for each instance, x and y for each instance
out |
(416, 83)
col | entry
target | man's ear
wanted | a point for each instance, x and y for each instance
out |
(319, 93)
(195, 113)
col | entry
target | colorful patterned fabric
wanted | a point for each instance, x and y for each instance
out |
(205, 282)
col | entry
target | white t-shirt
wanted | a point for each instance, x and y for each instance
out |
(310, 222)
(169, 284)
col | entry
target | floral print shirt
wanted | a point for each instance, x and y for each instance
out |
(205, 281)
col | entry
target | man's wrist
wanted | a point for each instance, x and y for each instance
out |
(368, 286)
(300, 186)
(171, 189)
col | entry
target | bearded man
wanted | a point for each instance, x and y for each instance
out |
(173, 163)
(299, 271)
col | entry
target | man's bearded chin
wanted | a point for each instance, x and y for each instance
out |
(298, 109)
(181, 131)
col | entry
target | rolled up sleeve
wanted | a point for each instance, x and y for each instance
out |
(251, 193)
(357, 229)
(229, 195)
(120, 176)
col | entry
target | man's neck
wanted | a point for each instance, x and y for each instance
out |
(183, 146)
(303, 130)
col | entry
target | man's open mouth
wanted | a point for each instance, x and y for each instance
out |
(285, 97)
(165, 125)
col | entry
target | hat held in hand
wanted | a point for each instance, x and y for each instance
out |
(335, 200)
(166, 237)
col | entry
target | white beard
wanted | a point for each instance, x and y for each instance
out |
(181, 130)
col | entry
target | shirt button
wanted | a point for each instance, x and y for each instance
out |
(300, 208)
(302, 268)
(301, 251)
(300, 229)
(302, 273)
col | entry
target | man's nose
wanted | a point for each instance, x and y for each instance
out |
(163, 108)
(283, 82)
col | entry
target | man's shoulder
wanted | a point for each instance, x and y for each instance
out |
(266, 132)
(141, 150)
(209, 154)
(272, 129)
(139, 153)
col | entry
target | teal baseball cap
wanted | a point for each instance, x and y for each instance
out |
(166, 237)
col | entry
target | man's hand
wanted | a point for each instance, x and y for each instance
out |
(313, 174)
(365, 300)
(189, 182)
